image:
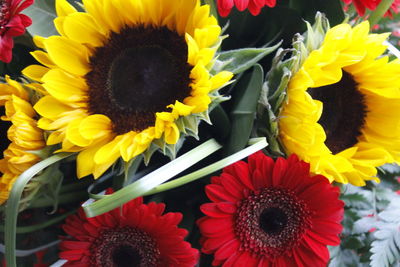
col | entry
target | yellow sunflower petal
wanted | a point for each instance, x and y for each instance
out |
(69, 55)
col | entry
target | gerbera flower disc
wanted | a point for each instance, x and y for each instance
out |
(126, 75)
(266, 213)
(134, 235)
(20, 126)
(341, 113)
(12, 24)
(254, 6)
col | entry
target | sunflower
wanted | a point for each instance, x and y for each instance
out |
(135, 235)
(266, 213)
(126, 76)
(19, 125)
(342, 109)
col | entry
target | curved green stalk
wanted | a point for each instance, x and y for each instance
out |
(13, 204)
(151, 180)
(378, 13)
(257, 144)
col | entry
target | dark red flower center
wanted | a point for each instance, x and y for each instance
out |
(343, 114)
(124, 247)
(137, 73)
(271, 222)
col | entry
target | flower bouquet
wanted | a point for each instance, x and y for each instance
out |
(147, 133)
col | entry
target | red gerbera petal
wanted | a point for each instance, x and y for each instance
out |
(254, 6)
(136, 233)
(286, 217)
(12, 24)
(362, 5)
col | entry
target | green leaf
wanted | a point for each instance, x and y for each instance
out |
(356, 200)
(246, 95)
(378, 13)
(151, 180)
(256, 144)
(42, 13)
(239, 60)
(353, 242)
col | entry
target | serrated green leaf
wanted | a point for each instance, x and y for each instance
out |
(356, 200)
(237, 61)
(386, 248)
(365, 224)
(353, 242)
(343, 257)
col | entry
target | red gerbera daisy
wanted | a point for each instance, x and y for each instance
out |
(135, 235)
(270, 214)
(254, 6)
(361, 6)
(12, 24)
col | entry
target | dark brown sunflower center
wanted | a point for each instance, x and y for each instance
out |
(343, 114)
(137, 73)
(123, 247)
(271, 222)
(4, 126)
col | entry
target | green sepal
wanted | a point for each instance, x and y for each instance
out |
(47, 185)
(239, 60)
(284, 65)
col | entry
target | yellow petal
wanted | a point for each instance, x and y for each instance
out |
(95, 126)
(35, 72)
(82, 28)
(63, 8)
(50, 108)
(69, 55)
(64, 87)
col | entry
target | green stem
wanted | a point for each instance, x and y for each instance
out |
(76, 186)
(62, 199)
(36, 227)
(378, 13)
(11, 215)
(260, 143)
(213, 7)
